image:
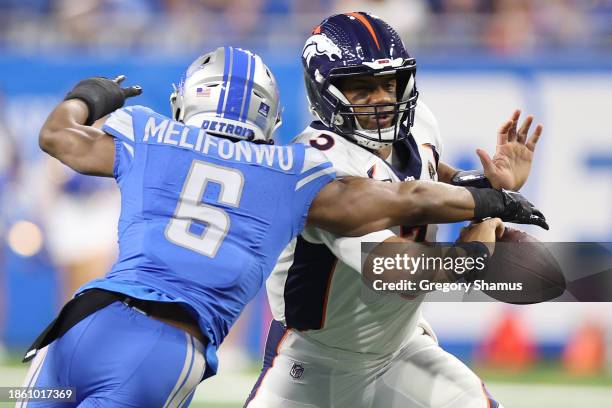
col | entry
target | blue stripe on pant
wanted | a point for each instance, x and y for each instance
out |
(118, 357)
(275, 335)
(490, 400)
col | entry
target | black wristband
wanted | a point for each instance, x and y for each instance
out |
(101, 95)
(471, 178)
(488, 202)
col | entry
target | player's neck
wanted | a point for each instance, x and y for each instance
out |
(385, 152)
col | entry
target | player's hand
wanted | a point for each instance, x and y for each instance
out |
(128, 92)
(511, 163)
(102, 95)
(485, 231)
(519, 210)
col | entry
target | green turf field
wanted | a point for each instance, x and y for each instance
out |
(546, 385)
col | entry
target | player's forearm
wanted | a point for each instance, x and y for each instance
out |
(359, 206)
(427, 202)
(446, 172)
(68, 135)
(85, 149)
(62, 126)
(355, 206)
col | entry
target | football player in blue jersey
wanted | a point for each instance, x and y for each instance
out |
(208, 204)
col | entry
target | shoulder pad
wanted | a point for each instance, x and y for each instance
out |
(348, 158)
(425, 129)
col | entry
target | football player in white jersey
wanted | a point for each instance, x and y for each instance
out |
(334, 342)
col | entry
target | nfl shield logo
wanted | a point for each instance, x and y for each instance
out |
(264, 110)
(297, 370)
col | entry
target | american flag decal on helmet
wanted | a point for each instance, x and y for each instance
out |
(203, 92)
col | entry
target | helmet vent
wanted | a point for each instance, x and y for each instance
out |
(257, 94)
(205, 61)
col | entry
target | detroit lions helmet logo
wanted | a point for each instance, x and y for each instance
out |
(319, 44)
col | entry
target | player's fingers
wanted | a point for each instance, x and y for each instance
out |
(502, 134)
(524, 130)
(485, 159)
(497, 224)
(512, 131)
(119, 79)
(538, 218)
(538, 214)
(533, 140)
(464, 231)
(500, 229)
(540, 222)
(515, 115)
(132, 91)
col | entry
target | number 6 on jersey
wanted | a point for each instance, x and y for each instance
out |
(190, 208)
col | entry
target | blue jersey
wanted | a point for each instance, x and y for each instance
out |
(204, 219)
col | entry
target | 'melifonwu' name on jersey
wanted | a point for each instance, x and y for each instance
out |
(160, 130)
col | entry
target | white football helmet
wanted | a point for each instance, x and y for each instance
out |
(229, 92)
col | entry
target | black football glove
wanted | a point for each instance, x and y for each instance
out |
(102, 95)
(520, 211)
(510, 206)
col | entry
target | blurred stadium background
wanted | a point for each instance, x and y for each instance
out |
(477, 61)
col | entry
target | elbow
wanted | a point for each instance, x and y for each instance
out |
(45, 140)
(49, 141)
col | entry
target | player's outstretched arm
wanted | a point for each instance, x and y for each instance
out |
(68, 134)
(354, 206)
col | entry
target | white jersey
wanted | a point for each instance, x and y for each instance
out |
(316, 286)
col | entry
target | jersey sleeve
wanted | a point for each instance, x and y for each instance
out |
(120, 126)
(348, 158)
(346, 249)
(315, 174)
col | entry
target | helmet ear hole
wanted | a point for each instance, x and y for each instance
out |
(177, 114)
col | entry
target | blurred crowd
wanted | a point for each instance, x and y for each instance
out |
(506, 27)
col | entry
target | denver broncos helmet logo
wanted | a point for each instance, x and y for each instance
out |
(319, 44)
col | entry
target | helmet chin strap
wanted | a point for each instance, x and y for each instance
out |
(408, 89)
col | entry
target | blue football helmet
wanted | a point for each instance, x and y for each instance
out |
(350, 45)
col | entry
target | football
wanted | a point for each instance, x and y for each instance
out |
(522, 270)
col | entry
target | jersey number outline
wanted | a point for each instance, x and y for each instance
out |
(190, 208)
